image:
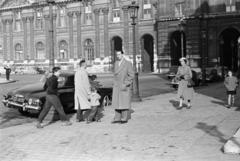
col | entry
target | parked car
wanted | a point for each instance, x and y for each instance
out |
(31, 98)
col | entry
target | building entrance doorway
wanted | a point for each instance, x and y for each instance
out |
(177, 47)
(116, 45)
(229, 49)
(147, 44)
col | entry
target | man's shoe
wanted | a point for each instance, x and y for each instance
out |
(116, 122)
(39, 126)
(228, 106)
(67, 123)
(124, 122)
(179, 107)
(188, 107)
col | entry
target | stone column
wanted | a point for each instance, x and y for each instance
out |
(79, 42)
(25, 43)
(55, 43)
(126, 29)
(46, 28)
(106, 36)
(97, 33)
(4, 22)
(11, 47)
(70, 28)
(31, 39)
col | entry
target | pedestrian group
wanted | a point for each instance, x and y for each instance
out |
(87, 98)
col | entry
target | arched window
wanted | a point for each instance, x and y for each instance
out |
(18, 52)
(89, 51)
(63, 49)
(40, 54)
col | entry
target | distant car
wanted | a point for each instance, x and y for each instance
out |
(31, 98)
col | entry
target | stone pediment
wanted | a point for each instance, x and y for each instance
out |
(15, 3)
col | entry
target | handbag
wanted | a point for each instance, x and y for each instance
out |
(190, 83)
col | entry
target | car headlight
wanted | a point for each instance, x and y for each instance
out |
(30, 101)
(35, 102)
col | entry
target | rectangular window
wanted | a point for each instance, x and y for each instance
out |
(39, 20)
(88, 14)
(116, 15)
(230, 5)
(147, 9)
(62, 18)
(179, 7)
(18, 22)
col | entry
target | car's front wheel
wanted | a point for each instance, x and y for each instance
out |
(25, 113)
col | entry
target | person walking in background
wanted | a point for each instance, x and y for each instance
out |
(8, 72)
(121, 97)
(185, 89)
(51, 87)
(231, 83)
(94, 100)
(82, 91)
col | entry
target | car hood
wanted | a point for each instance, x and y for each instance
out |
(27, 90)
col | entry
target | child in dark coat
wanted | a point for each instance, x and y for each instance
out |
(231, 84)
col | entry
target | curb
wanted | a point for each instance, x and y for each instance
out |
(232, 146)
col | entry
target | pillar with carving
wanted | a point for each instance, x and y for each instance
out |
(106, 31)
(46, 28)
(126, 28)
(4, 22)
(79, 39)
(25, 38)
(70, 31)
(31, 39)
(11, 47)
(97, 32)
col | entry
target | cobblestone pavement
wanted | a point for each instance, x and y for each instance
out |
(156, 132)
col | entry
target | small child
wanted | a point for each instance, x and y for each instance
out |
(231, 84)
(94, 101)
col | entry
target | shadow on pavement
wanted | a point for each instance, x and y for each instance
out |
(13, 117)
(211, 130)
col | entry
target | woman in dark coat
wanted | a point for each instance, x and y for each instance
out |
(184, 74)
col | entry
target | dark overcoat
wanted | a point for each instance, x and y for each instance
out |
(123, 77)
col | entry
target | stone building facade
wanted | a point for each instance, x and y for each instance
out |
(88, 29)
(205, 31)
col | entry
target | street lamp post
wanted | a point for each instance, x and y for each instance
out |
(51, 34)
(133, 9)
(181, 28)
(204, 36)
(239, 56)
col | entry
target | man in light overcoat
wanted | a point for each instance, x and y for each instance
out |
(121, 98)
(82, 91)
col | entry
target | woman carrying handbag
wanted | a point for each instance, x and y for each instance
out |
(185, 87)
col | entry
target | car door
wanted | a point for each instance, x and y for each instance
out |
(66, 94)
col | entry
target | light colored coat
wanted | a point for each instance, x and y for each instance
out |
(123, 76)
(184, 91)
(82, 90)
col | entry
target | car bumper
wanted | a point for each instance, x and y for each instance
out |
(24, 107)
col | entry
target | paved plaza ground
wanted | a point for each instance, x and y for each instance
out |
(156, 132)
